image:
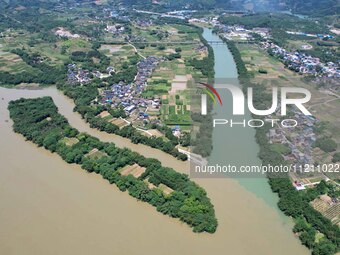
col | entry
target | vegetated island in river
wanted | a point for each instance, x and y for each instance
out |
(170, 192)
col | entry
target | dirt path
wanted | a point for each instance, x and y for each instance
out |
(136, 50)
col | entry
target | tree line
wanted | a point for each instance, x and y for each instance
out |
(43, 73)
(83, 97)
(38, 120)
(202, 145)
(293, 203)
(86, 59)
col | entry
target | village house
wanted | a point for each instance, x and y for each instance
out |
(129, 95)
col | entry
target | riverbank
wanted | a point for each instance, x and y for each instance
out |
(308, 222)
(172, 193)
(75, 205)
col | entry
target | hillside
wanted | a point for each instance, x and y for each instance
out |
(307, 7)
(314, 7)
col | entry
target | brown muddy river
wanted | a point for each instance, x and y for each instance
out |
(50, 207)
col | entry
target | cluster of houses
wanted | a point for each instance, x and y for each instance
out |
(301, 62)
(330, 84)
(128, 95)
(109, 71)
(207, 20)
(233, 32)
(145, 68)
(115, 29)
(320, 36)
(144, 22)
(117, 13)
(299, 139)
(177, 15)
(77, 75)
(113, 13)
(123, 95)
(237, 32)
(204, 20)
(201, 49)
(241, 33)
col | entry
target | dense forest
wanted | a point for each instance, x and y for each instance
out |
(314, 7)
(275, 21)
(307, 7)
(38, 120)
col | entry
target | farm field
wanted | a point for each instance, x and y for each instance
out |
(323, 105)
(170, 82)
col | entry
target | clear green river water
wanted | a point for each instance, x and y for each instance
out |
(234, 146)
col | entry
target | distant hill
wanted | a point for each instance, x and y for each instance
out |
(314, 7)
(307, 7)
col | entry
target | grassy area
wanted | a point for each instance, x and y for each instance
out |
(50, 51)
(12, 63)
(75, 43)
(117, 53)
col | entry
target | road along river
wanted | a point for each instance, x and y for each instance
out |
(50, 207)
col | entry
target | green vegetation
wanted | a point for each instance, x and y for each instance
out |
(280, 148)
(326, 144)
(87, 54)
(291, 202)
(263, 71)
(38, 120)
(87, 61)
(43, 73)
(206, 65)
(241, 68)
(45, 57)
(203, 144)
(324, 48)
(274, 21)
(278, 24)
(336, 157)
(83, 97)
(306, 7)
(314, 7)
